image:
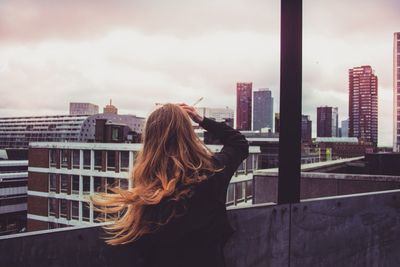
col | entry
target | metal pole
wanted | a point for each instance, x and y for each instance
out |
(290, 102)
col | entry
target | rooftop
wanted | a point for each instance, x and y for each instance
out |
(352, 230)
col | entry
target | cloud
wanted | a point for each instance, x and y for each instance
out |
(142, 52)
(25, 20)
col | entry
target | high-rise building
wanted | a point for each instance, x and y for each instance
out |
(327, 122)
(110, 108)
(345, 128)
(83, 108)
(363, 104)
(277, 122)
(243, 105)
(306, 129)
(263, 109)
(396, 92)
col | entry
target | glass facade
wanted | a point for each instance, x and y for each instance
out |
(17, 132)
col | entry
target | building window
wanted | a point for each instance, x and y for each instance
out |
(98, 216)
(64, 183)
(124, 161)
(52, 202)
(63, 208)
(230, 196)
(75, 184)
(75, 159)
(239, 195)
(110, 160)
(86, 159)
(249, 163)
(85, 211)
(241, 167)
(64, 158)
(98, 159)
(124, 183)
(75, 210)
(249, 190)
(53, 158)
(52, 182)
(111, 182)
(86, 184)
(52, 225)
(99, 184)
(114, 134)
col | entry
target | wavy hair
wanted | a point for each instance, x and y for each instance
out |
(171, 161)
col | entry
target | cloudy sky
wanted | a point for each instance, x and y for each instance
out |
(143, 51)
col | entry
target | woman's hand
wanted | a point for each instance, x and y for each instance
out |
(191, 111)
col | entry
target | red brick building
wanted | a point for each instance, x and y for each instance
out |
(62, 176)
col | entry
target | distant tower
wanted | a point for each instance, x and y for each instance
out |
(363, 104)
(263, 109)
(110, 108)
(327, 122)
(243, 105)
(277, 122)
(306, 129)
(396, 92)
(345, 128)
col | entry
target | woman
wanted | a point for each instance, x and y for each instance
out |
(176, 208)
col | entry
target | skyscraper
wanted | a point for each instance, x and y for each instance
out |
(263, 109)
(277, 122)
(363, 104)
(327, 122)
(396, 91)
(243, 105)
(345, 128)
(306, 129)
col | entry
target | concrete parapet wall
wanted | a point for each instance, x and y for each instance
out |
(315, 185)
(361, 230)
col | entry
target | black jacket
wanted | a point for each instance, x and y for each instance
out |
(197, 238)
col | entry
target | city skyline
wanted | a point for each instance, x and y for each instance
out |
(111, 50)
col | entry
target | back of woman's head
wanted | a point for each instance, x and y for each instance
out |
(172, 159)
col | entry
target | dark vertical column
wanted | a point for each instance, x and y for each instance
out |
(290, 102)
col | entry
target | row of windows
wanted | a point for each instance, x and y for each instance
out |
(13, 201)
(69, 209)
(73, 156)
(11, 184)
(239, 192)
(70, 184)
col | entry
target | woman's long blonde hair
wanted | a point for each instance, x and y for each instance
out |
(171, 160)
